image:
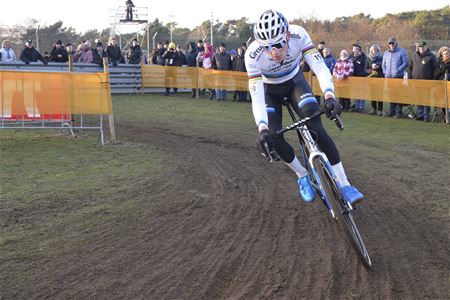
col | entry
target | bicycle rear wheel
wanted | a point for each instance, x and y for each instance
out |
(343, 214)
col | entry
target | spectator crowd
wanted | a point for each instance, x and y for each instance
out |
(394, 62)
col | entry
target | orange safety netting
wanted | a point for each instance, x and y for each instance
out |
(418, 92)
(54, 93)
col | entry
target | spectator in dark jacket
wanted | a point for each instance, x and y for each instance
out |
(114, 53)
(161, 52)
(442, 72)
(374, 69)
(320, 47)
(221, 61)
(172, 59)
(191, 61)
(98, 53)
(239, 66)
(422, 65)
(152, 57)
(134, 54)
(58, 53)
(182, 56)
(29, 54)
(359, 63)
(200, 48)
(395, 63)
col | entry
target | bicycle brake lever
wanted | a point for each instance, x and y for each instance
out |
(337, 120)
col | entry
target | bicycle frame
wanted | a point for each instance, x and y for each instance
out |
(326, 183)
(310, 151)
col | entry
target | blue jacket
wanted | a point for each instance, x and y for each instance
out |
(330, 61)
(395, 63)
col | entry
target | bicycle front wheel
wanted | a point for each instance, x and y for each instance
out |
(343, 214)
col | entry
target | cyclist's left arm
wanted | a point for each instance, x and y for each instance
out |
(317, 65)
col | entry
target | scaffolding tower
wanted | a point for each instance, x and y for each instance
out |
(119, 20)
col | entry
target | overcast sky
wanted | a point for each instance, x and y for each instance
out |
(93, 14)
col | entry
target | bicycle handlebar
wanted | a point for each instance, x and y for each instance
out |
(337, 120)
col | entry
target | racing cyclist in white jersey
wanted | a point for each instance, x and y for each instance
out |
(272, 63)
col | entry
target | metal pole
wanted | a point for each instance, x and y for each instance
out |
(148, 39)
(112, 129)
(171, 27)
(212, 24)
(37, 38)
(153, 39)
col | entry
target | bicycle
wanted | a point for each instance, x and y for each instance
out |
(325, 182)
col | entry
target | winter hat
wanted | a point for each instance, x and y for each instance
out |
(392, 39)
(172, 45)
(422, 44)
(233, 52)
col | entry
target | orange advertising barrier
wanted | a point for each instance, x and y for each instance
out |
(419, 92)
(191, 78)
(47, 95)
(406, 91)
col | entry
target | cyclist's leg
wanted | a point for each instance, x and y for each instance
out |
(283, 148)
(306, 105)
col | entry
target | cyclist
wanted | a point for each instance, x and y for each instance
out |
(272, 63)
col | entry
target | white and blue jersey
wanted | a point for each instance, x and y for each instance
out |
(262, 69)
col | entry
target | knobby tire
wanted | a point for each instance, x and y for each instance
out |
(344, 218)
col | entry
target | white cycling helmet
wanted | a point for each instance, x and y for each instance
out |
(271, 28)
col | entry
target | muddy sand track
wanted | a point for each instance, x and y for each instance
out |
(225, 230)
(223, 224)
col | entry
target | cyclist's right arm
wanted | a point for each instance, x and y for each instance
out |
(256, 88)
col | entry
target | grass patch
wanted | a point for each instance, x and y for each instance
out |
(235, 120)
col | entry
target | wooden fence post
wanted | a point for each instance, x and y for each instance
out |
(112, 130)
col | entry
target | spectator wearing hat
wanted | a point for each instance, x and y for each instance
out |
(342, 70)
(359, 63)
(7, 55)
(98, 54)
(84, 53)
(422, 65)
(114, 53)
(374, 69)
(233, 54)
(221, 61)
(172, 59)
(30, 54)
(395, 64)
(58, 53)
(134, 54)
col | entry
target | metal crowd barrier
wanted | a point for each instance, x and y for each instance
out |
(31, 99)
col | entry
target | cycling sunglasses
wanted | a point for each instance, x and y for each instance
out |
(277, 46)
